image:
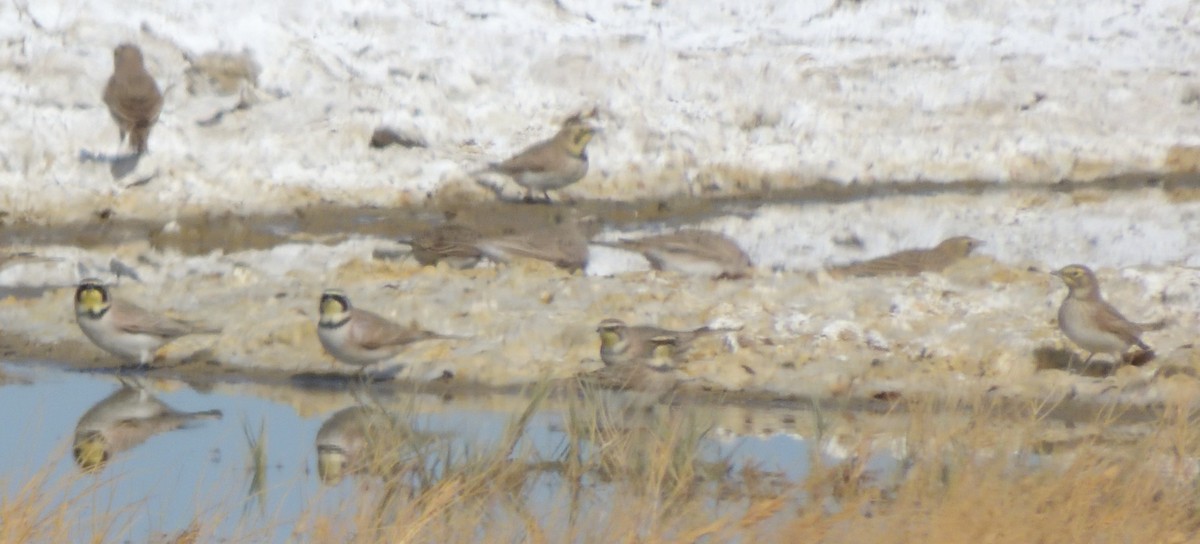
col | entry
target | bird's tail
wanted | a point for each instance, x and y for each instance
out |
(207, 414)
(1155, 325)
(200, 328)
(139, 138)
(706, 330)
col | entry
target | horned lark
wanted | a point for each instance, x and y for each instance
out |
(124, 329)
(1091, 322)
(691, 252)
(362, 439)
(912, 262)
(124, 420)
(564, 244)
(621, 344)
(359, 337)
(551, 164)
(132, 96)
(452, 243)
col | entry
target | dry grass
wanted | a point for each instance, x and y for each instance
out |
(637, 474)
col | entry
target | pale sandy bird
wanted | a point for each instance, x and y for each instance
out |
(622, 344)
(364, 439)
(123, 328)
(124, 420)
(132, 96)
(698, 252)
(565, 244)
(1091, 322)
(551, 164)
(451, 243)
(363, 338)
(912, 262)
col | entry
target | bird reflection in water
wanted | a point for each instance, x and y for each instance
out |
(123, 420)
(366, 440)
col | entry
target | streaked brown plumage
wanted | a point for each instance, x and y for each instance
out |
(450, 242)
(912, 262)
(551, 164)
(691, 252)
(1091, 322)
(565, 244)
(132, 96)
(622, 344)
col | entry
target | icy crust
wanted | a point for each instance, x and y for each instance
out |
(987, 325)
(695, 98)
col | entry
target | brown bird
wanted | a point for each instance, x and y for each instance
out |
(912, 262)
(123, 420)
(564, 243)
(365, 440)
(450, 242)
(1091, 322)
(698, 252)
(551, 164)
(656, 375)
(621, 344)
(363, 338)
(132, 96)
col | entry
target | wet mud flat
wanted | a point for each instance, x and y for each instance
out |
(230, 232)
(983, 328)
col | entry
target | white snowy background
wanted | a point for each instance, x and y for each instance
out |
(695, 97)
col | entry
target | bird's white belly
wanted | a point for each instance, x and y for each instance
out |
(684, 264)
(140, 347)
(340, 345)
(1078, 325)
(543, 181)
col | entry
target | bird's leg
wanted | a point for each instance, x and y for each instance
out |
(1087, 362)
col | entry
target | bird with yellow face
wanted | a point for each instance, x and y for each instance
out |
(360, 337)
(366, 440)
(551, 164)
(622, 344)
(123, 328)
(124, 420)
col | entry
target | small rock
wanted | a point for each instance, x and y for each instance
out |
(386, 136)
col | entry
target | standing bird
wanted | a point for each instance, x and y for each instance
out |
(1091, 322)
(621, 344)
(124, 420)
(654, 376)
(359, 337)
(123, 328)
(912, 262)
(697, 252)
(132, 96)
(551, 164)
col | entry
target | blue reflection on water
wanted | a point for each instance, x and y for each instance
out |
(203, 472)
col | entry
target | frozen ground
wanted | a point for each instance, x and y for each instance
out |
(695, 97)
